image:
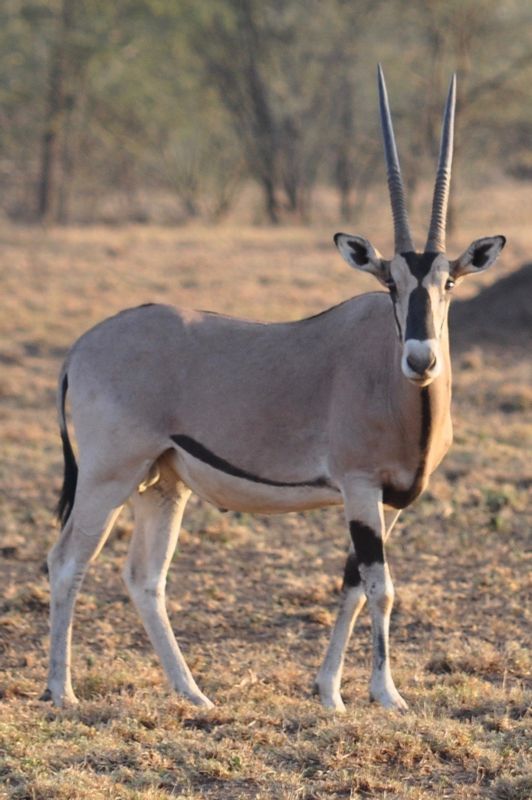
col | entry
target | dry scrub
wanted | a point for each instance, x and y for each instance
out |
(252, 598)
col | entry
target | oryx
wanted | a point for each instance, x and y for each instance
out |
(351, 407)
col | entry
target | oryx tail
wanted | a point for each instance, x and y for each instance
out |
(70, 469)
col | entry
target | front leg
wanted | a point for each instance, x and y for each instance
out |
(352, 601)
(378, 586)
(363, 507)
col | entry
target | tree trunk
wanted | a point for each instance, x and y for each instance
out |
(271, 205)
(67, 163)
(344, 184)
(343, 168)
(55, 107)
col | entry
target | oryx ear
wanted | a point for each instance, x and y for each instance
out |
(480, 255)
(361, 254)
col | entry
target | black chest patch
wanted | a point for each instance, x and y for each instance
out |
(401, 498)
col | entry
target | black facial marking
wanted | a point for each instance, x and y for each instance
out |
(401, 498)
(359, 251)
(480, 256)
(368, 546)
(208, 457)
(419, 321)
(419, 264)
(351, 572)
(393, 295)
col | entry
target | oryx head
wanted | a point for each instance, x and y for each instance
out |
(419, 283)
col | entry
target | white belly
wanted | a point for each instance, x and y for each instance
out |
(233, 493)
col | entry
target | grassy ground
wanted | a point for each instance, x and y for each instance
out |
(252, 599)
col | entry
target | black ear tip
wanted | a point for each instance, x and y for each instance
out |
(503, 240)
(336, 238)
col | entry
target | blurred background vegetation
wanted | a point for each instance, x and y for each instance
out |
(168, 111)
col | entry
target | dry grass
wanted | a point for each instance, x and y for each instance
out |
(252, 598)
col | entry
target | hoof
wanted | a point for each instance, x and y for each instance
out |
(389, 700)
(200, 700)
(329, 698)
(60, 700)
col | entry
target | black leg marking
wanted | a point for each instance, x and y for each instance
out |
(381, 648)
(368, 546)
(208, 457)
(351, 572)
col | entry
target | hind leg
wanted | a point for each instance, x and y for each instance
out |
(158, 514)
(95, 510)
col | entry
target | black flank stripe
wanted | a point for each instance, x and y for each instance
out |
(202, 453)
(368, 546)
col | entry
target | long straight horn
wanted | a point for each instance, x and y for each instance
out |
(438, 220)
(403, 239)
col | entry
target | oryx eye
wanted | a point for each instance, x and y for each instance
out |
(449, 285)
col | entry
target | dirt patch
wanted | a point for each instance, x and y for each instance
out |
(500, 315)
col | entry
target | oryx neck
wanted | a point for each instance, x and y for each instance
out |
(424, 416)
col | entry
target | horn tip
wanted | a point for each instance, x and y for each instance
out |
(381, 83)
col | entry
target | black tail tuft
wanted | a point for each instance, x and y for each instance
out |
(70, 475)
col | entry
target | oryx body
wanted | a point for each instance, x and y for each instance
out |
(349, 407)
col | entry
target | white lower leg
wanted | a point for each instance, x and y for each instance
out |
(151, 606)
(65, 581)
(380, 593)
(67, 564)
(158, 514)
(329, 676)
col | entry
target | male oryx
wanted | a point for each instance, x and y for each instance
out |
(351, 406)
